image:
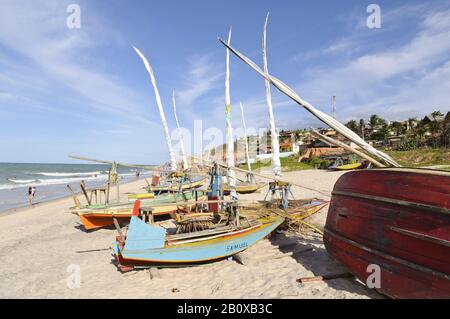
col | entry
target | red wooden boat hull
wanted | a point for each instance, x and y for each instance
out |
(398, 219)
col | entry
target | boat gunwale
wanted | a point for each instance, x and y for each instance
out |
(384, 255)
(432, 208)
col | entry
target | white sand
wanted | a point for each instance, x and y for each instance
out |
(39, 244)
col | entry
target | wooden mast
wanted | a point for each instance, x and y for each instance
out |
(229, 129)
(276, 163)
(173, 162)
(180, 135)
(247, 156)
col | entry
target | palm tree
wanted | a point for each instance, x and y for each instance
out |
(435, 114)
(412, 122)
(397, 127)
(373, 121)
(436, 127)
(362, 125)
(353, 126)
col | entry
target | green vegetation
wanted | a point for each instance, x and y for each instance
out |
(421, 157)
(432, 131)
(287, 163)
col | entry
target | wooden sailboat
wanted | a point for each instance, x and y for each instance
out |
(399, 220)
(101, 215)
(244, 187)
(179, 182)
(149, 245)
(201, 237)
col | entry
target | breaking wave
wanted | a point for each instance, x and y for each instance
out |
(57, 174)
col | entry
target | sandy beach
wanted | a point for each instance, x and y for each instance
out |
(42, 245)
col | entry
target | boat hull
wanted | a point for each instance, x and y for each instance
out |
(243, 188)
(191, 253)
(104, 218)
(397, 219)
(173, 188)
(97, 218)
(348, 167)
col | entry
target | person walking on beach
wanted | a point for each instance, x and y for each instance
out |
(31, 193)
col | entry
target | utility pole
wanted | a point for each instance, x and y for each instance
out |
(334, 106)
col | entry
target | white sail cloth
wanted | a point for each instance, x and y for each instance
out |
(180, 135)
(173, 162)
(339, 127)
(276, 163)
(229, 129)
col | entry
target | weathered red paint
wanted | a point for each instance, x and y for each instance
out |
(398, 219)
(136, 207)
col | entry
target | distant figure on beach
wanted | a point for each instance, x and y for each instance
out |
(137, 174)
(31, 193)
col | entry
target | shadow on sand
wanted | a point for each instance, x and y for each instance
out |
(312, 255)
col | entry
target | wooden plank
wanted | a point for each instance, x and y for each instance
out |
(75, 198)
(324, 277)
(108, 188)
(83, 188)
(119, 230)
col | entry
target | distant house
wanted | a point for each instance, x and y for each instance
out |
(430, 118)
(286, 146)
(394, 141)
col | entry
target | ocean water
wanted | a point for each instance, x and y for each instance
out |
(50, 180)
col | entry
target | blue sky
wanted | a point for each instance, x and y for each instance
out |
(85, 91)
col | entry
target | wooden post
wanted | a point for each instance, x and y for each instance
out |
(83, 188)
(118, 192)
(119, 230)
(108, 188)
(324, 277)
(75, 198)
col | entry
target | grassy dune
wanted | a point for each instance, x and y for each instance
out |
(422, 157)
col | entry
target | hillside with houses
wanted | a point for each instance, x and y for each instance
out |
(413, 142)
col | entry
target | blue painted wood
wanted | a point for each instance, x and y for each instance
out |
(199, 251)
(144, 236)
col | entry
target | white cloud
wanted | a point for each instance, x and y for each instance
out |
(377, 82)
(202, 77)
(35, 33)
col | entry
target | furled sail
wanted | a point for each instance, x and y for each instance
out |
(276, 163)
(229, 128)
(180, 135)
(173, 162)
(339, 127)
